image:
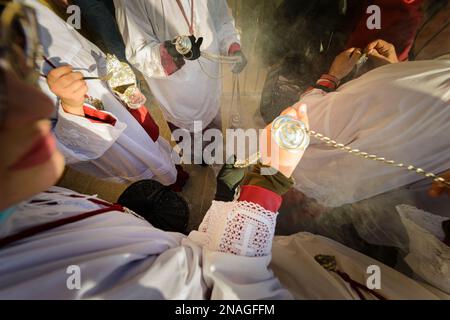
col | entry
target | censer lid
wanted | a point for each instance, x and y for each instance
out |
(290, 133)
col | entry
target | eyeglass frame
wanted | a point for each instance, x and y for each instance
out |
(26, 16)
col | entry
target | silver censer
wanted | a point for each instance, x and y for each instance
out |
(290, 134)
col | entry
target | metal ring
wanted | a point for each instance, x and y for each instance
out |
(183, 45)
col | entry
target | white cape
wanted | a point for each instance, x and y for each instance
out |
(399, 111)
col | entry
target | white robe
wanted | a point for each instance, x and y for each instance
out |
(120, 257)
(123, 257)
(193, 92)
(294, 264)
(121, 153)
(399, 111)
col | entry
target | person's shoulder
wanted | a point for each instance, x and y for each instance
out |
(445, 57)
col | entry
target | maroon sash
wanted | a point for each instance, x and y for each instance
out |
(28, 233)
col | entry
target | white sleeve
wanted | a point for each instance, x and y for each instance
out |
(122, 257)
(241, 278)
(225, 25)
(142, 45)
(312, 95)
(80, 139)
(237, 241)
(313, 99)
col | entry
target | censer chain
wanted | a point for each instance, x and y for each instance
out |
(356, 152)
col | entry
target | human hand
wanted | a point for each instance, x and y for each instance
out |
(381, 53)
(438, 189)
(285, 161)
(344, 63)
(239, 66)
(70, 87)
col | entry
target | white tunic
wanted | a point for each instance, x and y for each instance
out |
(294, 264)
(120, 153)
(399, 111)
(120, 256)
(193, 92)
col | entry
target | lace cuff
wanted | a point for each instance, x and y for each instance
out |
(238, 228)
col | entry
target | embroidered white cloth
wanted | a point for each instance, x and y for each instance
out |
(239, 228)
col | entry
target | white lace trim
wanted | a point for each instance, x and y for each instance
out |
(239, 228)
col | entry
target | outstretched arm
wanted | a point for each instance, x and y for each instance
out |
(342, 66)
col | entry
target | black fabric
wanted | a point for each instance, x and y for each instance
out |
(273, 180)
(194, 54)
(177, 58)
(230, 178)
(157, 204)
(100, 26)
(228, 181)
(172, 50)
(446, 228)
(196, 49)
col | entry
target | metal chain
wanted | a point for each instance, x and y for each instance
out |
(242, 164)
(221, 59)
(218, 59)
(184, 46)
(330, 142)
(376, 158)
(209, 75)
(235, 113)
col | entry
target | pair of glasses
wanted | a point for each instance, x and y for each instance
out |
(19, 40)
(19, 46)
